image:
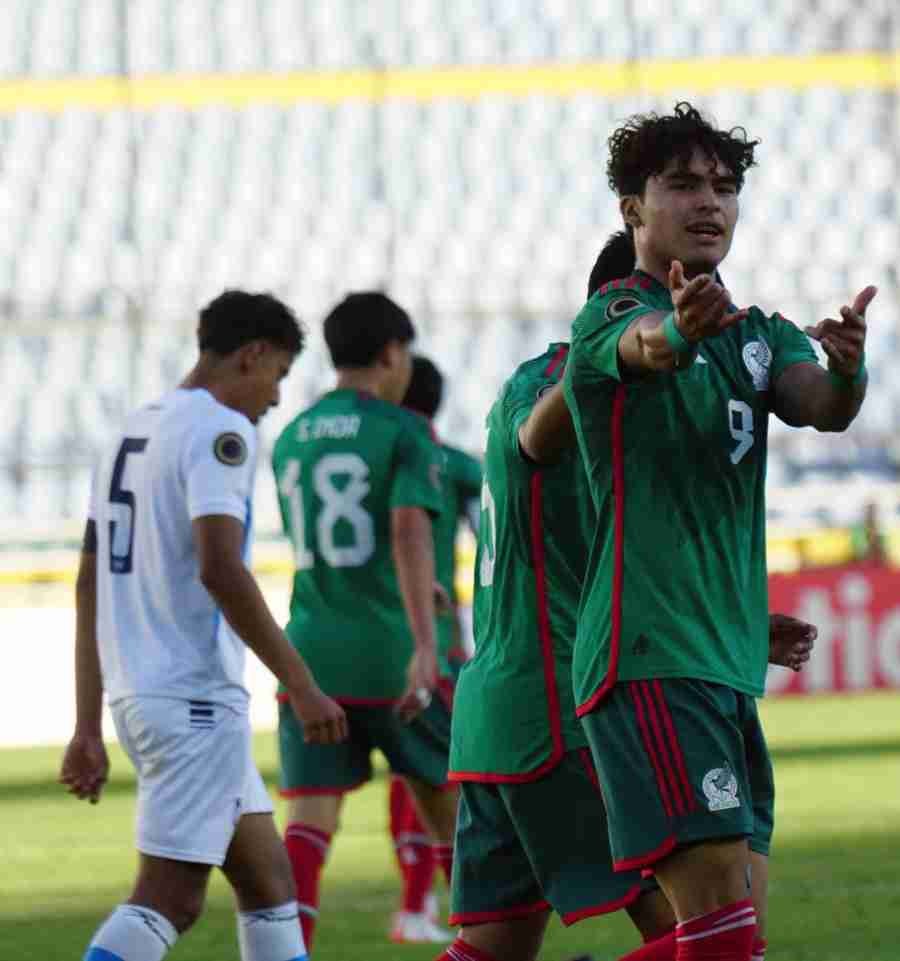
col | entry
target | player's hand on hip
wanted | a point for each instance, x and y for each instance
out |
(421, 680)
(85, 767)
(844, 340)
(701, 305)
(790, 641)
(323, 719)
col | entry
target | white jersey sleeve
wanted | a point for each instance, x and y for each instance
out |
(219, 467)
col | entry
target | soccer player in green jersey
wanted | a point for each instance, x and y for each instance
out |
(416, 919)
(670, 389)
(359, 481)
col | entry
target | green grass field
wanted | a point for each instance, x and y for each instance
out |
(835, 867)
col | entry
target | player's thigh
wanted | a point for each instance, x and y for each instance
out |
(672, 765)
(560, 821)
(322, 769)
(193, 763)
(257, 865)
(761, 777)
(419, 748)
(492, 878)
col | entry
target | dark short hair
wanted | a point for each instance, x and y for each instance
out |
(237, 317)
(426, 387)
(646, 143)
(362, 325)
(614, 261)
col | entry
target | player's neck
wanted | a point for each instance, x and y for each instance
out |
(362, 379)
(205, 377)
(659, 270)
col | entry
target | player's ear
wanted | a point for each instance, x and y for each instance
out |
(630, 208)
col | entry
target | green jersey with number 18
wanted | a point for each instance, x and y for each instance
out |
(341, 467)
(514, 713)
(676, 582)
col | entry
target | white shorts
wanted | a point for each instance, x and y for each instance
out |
(196, 775)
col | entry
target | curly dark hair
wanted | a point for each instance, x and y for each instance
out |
(644, 145)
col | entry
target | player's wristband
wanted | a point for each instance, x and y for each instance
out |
(684, 350)
(848, 383)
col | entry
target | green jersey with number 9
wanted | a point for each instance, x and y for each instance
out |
(676, 583)
(514, 715)
(341, 467)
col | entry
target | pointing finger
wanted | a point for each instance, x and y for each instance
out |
(863, 299)
(676, 275)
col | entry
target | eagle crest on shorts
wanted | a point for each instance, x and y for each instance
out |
(230, 448)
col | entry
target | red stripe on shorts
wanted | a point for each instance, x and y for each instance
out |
(674, 746)
(663, 748)
(634, 690)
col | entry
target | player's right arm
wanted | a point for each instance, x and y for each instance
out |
(416, 494)
(85, 765)
(219, 542)
(656, 341)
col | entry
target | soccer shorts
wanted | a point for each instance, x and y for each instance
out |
(196, 775)
(522, 848)
(680, 761)
(418, 749)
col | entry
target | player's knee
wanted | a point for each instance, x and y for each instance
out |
(188, 910)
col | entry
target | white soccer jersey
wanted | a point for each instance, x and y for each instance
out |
(158, 629)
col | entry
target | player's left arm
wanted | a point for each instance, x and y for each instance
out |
(806, 395)
(85, 765)
(548, 430)
(790, 641)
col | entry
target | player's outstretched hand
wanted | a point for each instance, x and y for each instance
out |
(85, 767)
(844, 340)
(790, 641)
(701, 305)
(323, 719)
(421, 680)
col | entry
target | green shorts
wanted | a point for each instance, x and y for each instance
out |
(680, 761)
(419, 749)
(533, 846)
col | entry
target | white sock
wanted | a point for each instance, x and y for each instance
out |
(132, 933)
(271, 934)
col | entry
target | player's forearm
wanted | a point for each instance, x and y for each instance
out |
(236, 593)
(547, 431)
(806, 395)
(88, 676)
(643, 348)
(413, 551)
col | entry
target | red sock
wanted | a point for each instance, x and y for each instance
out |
(723, 935)
(759, 950)
(412, 846)
(659, 949)
(460, 951)
(307, 847)
(443, 854)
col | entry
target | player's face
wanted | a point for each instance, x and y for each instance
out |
(265, 368)
(399, 364)
(688, 213)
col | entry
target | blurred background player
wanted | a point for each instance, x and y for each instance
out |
(165, 605)
(359, 480)
(664, 370)
(416, 919)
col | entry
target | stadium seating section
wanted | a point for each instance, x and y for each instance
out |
(481, 215)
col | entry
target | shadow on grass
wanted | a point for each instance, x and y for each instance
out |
(45, 788)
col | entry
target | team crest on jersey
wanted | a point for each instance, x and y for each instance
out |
(721, 789)
(620, 306)
(230, 448)
(758, 359)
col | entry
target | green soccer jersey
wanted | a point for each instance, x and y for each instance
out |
(514, 713)
(462, 485)
(676, 581)
(341, 467)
